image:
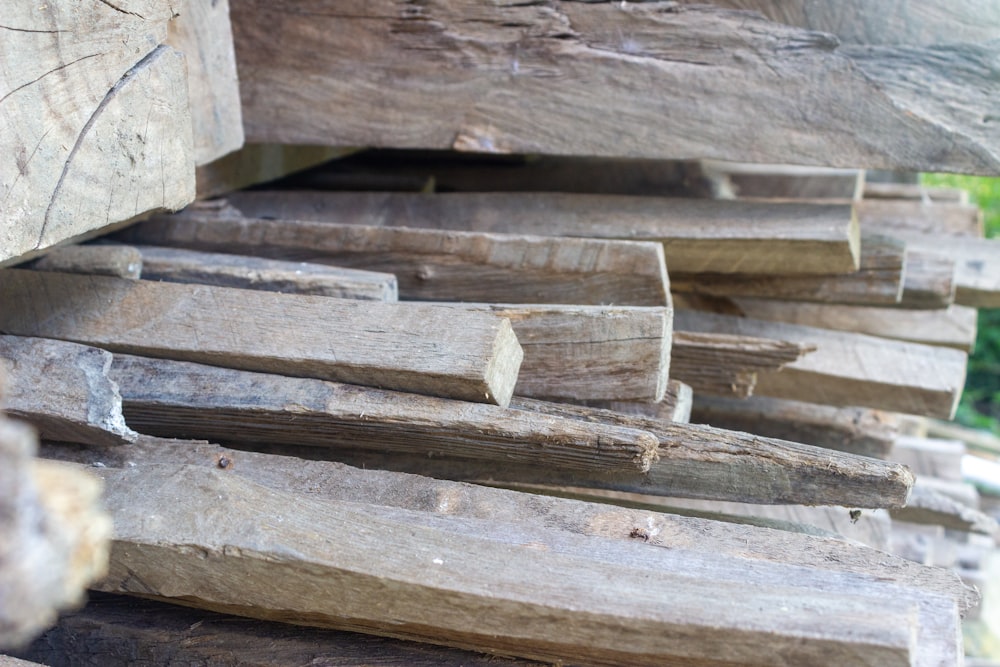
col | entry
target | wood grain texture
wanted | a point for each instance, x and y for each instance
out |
(97, 124)
(698, 235)
(916, 215)
(850, 369)
(977, 268)
(565, 78)
(879, 280)
(931, 281)
(102, 260)
(178, 265)
(409, 347)
(438, 265)
(63, 390)
(954, 326)
(179, 399)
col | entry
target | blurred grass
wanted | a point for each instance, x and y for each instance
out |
(980, 406)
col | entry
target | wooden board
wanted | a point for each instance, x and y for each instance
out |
(675, 406)
(410, 347)
(849, 368)
(931, 281)
(931, 457)
(97, 128)
(886, 216)
(698, 235)
(977, 268)
(568, 78)
(259, 163)
(437, 265)
(929, 506)
(779, 181)
(103, 260)
(914, 191)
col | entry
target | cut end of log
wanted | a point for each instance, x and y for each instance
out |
(504, 364)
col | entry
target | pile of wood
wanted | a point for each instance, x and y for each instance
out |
(661, 404)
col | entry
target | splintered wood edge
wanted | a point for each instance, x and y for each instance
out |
(504, 365)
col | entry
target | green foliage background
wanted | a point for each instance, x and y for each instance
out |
(980, 406)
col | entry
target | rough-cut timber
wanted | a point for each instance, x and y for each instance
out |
(208, 268)
(886, 216)
(63, 390)
(409, 347)
(698, 235)
(104, 260)
(602, 79)
(95, 117)
(954, 326)
(854, 430)
(849, 368)
(439, 265)
(180, 399)
(589, 353)
(879, 280)
(930, 283)
(977, 266)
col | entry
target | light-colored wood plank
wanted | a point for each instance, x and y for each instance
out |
(437, 265)
(887, 216)
(977, 266)
(565, 79)
(931, 281)
(97, 128)
(410, 347)
(929, 506)
(698, 235)
(675, 406)
(977, 439)
(779, 181)
(954, 326)
(208, 268)
(912, 191)
(879, 281)
(179, 399)
(103, 260)
(930, 457)
(63, 390)
(850, 369)
(260, 163)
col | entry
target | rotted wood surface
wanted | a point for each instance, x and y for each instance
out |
(209, 268)
(849, 369)
(855, 430)
(698, 235)
(879, 281)
(63, 390)
(409, 347)
(107, 139)
(179, 399)
(102, 260)
(439, 265)
(501, 79)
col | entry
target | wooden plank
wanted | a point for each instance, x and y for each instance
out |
(930, 457)
(854, 430)
(103, 260)
(588, 353)
(725, 365)
(848, 368)
(914, 191)
(698, 235)
(954, 326)
(436, 265)
(204, 35)
(564, 79)
(179, 399)
(63, 390)
(887, 216)
(931, 281)
(976, 439)
(675, 406)
(410, 347)
(259, 163)
(190, 266)
(780, 181)
(977, 270)
(879, 281)
(105, 141)
(929, 506)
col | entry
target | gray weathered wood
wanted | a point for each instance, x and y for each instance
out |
(675, 406)
(103, 260)
(977, 265)
(855, 430)
(878, 282)
(179, 399)
(437, 265)
(698, 235)
(930, 506)
(931, 281)
(930, 457)
(849, 368)
(63, 390)
(886, 216)
(912, 191)
(208, 268)
(409, 347)
(777, 181)
(566, 78)
(97, 128)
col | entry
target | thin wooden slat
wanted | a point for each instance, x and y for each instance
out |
(887, 216)
(190, 266)
(848, 368)
(436, 265)
(908, 191)
(179, 399)
(103, 260)
(410, 347)
(698, 235)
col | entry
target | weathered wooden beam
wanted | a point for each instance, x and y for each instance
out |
(410, 347)
(501, 79)
(854, 430)
(977, 269)
(954, 326)
(848, 368)
(437, 265)
(179, 399)
(879, 280)
(887, 216)
(102, 260)
(107, 139)
(178, 265)
(698, 235)
(63, 390)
